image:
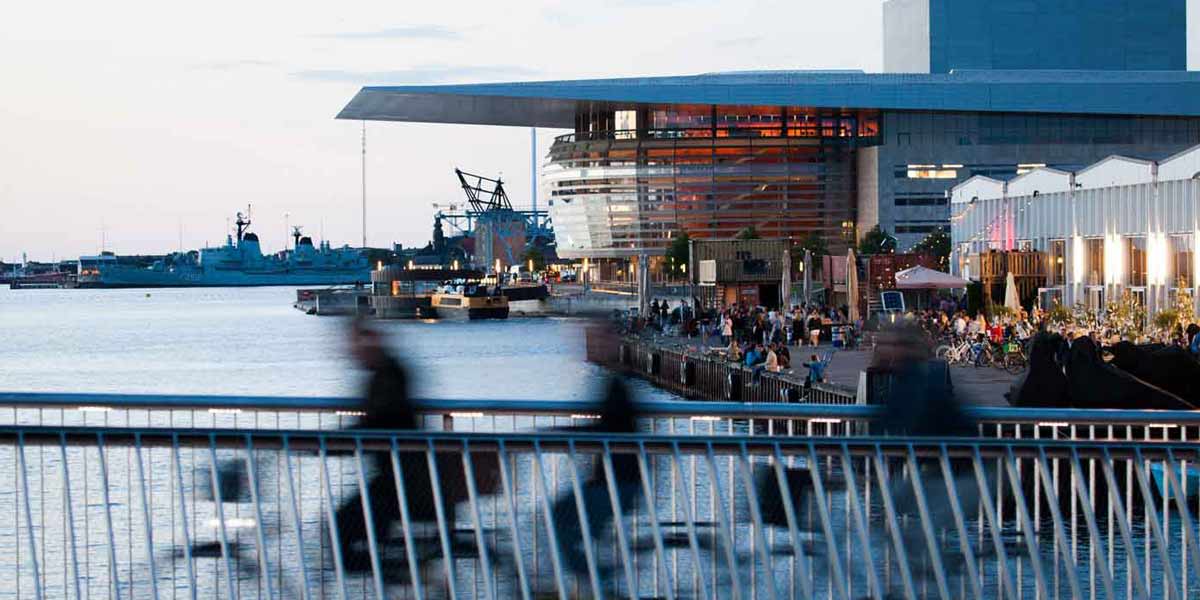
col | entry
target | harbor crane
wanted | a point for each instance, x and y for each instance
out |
(473, 185)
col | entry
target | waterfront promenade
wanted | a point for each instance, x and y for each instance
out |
(975, 386)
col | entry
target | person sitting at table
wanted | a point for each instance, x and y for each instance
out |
(734, 351)
(772, 362)
(753, 355)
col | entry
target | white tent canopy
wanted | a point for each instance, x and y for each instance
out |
(921, 278)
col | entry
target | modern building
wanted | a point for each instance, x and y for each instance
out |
(974, 88)
(1121, 224)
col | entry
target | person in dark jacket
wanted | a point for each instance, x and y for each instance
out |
(387, 405)
(920, 402)
(618, 414)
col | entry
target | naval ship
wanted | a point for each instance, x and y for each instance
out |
(239, 262)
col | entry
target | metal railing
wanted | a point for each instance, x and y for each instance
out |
(264, 413)
(95, 512)
(707, 377)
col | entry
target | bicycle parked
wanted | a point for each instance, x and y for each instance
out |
(966, 352)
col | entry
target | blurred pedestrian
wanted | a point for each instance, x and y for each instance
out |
(617, 414)
(920, 402)
(387, 406)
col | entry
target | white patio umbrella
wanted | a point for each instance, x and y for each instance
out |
(785, 286)
(1011, 300)
(643, 285)
(807, 276)
(852, 284)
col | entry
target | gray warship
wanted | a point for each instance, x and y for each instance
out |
(238, 263)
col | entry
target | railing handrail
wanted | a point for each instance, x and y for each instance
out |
(569, 408)
(583, 441)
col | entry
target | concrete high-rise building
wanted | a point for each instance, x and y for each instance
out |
(941, 36)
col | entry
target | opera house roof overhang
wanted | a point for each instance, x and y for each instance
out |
(554, 104)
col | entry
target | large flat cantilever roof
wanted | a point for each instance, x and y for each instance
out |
(554, 103)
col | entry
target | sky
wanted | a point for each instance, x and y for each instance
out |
(148, 125)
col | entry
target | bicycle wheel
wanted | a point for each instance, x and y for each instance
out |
(943, 352)
(1013, 365)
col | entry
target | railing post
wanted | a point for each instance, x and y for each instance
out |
(33, 555)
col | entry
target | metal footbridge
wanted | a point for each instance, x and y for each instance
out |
(126, 496)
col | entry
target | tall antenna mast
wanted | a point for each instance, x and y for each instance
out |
(364, 184)
(533, 182)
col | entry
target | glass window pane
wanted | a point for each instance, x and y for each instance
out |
(1135, 260)
(1095, 261)
(1182, 252)
(1058, 262)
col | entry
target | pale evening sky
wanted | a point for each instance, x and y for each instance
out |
(137, 117)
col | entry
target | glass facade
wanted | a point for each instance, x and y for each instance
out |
(1058, 262)
(1094, 264)
(1183, 261)
(684, 121)
(1135, 261)
(709, 171)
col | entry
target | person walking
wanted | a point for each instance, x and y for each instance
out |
(814, 329)
(387, 405)
(618, 414)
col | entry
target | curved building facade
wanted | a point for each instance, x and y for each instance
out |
(628, 181)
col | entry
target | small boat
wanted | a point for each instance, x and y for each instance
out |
(470, 300)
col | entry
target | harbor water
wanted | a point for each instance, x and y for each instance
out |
(250, 341)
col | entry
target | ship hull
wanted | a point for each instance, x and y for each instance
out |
(472, 314)
(403, 307)
(139, 278)
(463, 308)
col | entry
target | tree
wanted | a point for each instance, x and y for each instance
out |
(1127, 317)
(877, 241)
(814, 243)
(749, 233)
(535, 254)
(678, 255)
(937, 245)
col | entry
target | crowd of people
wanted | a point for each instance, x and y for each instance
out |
(762, 339)
(958, 324)
(1019, 328)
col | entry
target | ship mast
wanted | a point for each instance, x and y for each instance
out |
(364, 184)
(242, 222)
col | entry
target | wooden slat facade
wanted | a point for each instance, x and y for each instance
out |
(743, 261)
(1029, 271)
